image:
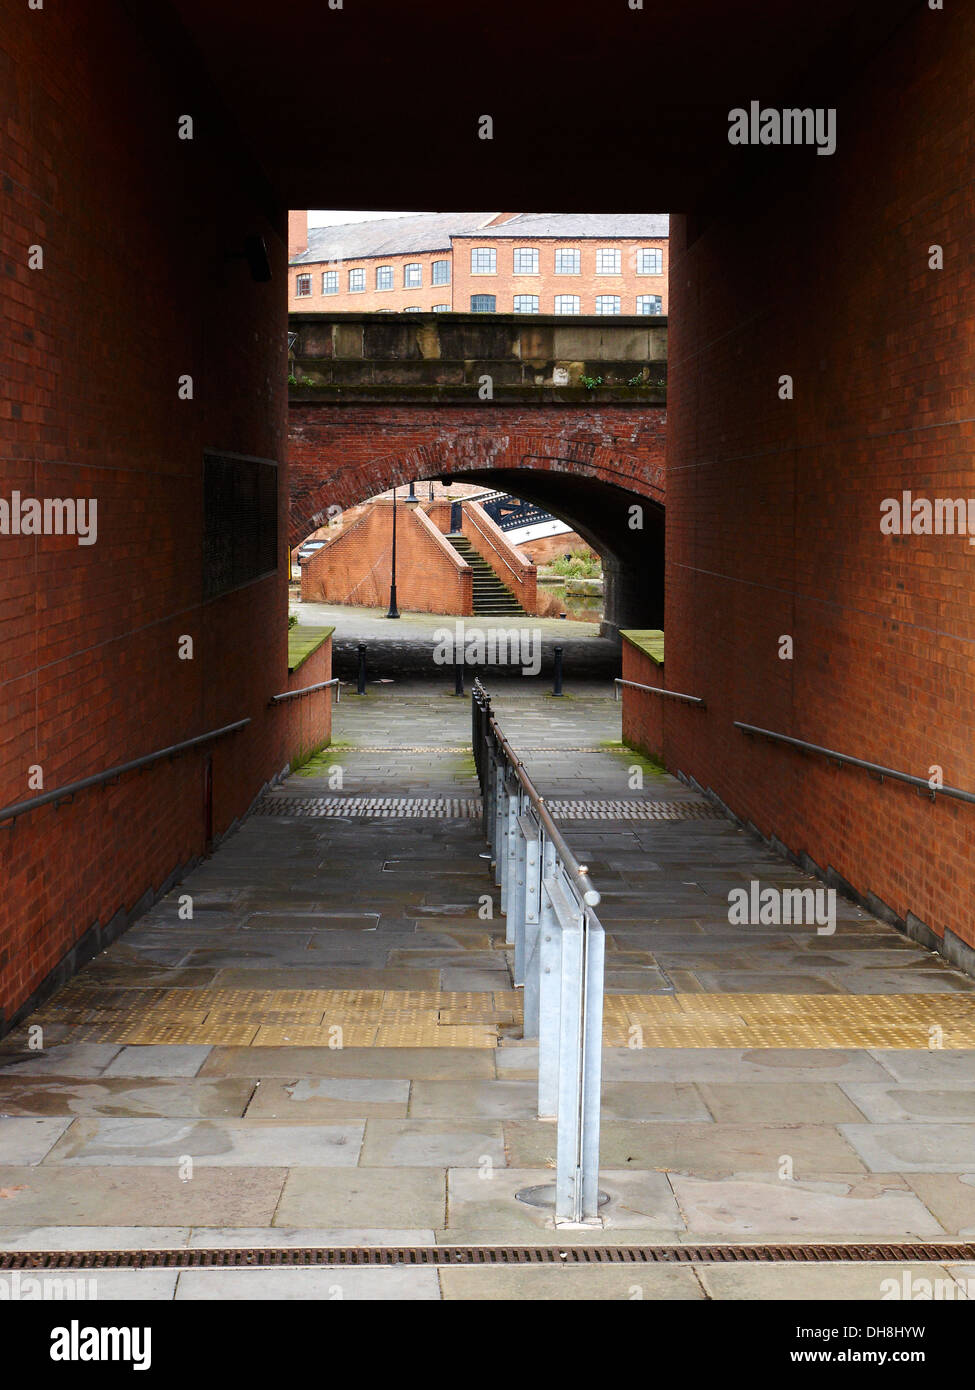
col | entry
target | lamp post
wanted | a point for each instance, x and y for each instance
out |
(393, 610)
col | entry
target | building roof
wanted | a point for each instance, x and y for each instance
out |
(389, 236)
(432, 231)
(576, 225)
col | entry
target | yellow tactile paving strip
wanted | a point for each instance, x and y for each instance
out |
(443, 1018)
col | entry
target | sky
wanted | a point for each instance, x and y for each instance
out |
(324, 218)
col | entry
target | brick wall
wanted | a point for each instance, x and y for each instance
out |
(355, 567)
(516, 573)
(343, 454)
(643, 714)
(136, 290)
(774, 505)
(587, 285)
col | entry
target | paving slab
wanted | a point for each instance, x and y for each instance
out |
(950, 1197)
(120, 1096)
(27, 1140)
(767, 1208)
(321, 1285)
(927, 1067)
(244, 1237)
(494, 1099)
(94, 1237)
(67, 1059)
(210, 1143)
(436, 1143)
(830, 1283)
(592, 1282)
(416, 1063)
(711, 1064)
(708, 1150)
(777, 1102)
(953, 1103)
(90, 1286)
(54, 1195)
(366, 1197)
(484, 1207)
(309, 1100)
(913, 1148)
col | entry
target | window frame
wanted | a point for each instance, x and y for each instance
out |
(416, 284)
(576, 300)
(572, 251)
(613, 251)
(491, 251)
(657, 297)
(531, 251)
(608, 313)
(335, 275)
(494, 304)
(654, 251)
(433, 272)
(303, 276)
(382, 289)
(357, 270)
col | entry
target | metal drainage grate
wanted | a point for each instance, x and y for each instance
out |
(634, 809)
(386, 807)
(444, 1255)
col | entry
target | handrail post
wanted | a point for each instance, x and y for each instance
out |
(549, 992)
(577, 1194)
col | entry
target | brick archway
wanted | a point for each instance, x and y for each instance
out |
(589, 466)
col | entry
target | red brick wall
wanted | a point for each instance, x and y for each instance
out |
(774, 506)
(546, 284)
(643, 714)
(344, 454)
(356, 566)
(136, 290)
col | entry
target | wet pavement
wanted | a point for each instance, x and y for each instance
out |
(192, 1089)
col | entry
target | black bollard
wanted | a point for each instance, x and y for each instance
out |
(361, 687)
(557, 673)
(458, 678)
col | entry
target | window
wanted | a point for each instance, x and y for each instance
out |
(607, 303)
(357, 281)
(649, 261)
(526, 260)
(412, 275)
(567, 262)
(484, 260)
(330, 282)
(384, 277)
(440, 309)
(607, 261)
(649, 304)
(441, 273)
(566, 303)
(483, 303)
(526, 304)
(303, 286)
(412, 309)
(240, 521)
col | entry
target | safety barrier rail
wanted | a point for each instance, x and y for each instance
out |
(878, 769)
(111, 774)
(657, 690)
(548, 899)
(310, 690)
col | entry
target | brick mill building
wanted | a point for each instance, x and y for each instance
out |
(482, 262)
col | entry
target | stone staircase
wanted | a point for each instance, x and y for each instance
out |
(490, 595)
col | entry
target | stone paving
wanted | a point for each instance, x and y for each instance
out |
(183, 1144)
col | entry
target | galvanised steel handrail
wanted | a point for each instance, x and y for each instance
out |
(20, 808)
(877, 768)
(657, 690)
(310, 690)
(548, 899)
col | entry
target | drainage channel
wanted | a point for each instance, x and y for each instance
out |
(445, 1255)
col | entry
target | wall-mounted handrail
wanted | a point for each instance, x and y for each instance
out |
(847, 758)
(310, 690)
(20, 808)
(657, 690)
(520, 577)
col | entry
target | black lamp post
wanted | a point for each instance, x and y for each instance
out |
(393, 610)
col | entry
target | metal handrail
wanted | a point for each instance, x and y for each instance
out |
(576, 873)
(309, 690)
(658, 690)
(847, 758)
(20, 808)
(520, 577)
